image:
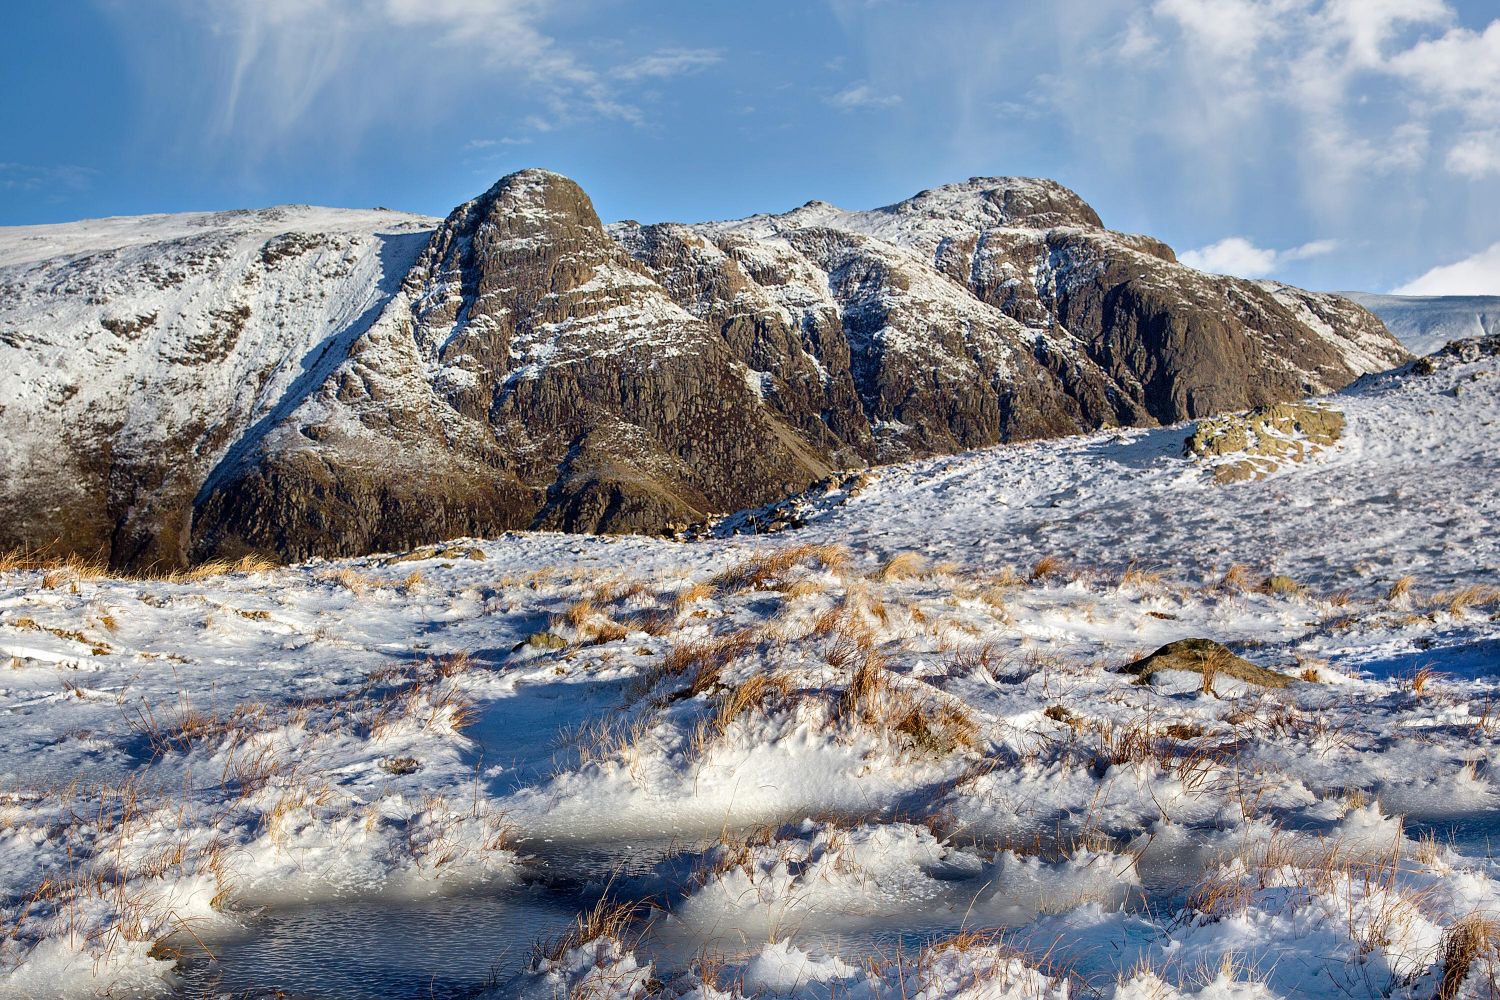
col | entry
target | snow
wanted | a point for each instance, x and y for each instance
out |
(886, 754)
(180, 331)
(1425, 323)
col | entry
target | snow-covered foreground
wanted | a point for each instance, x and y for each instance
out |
(890, 754)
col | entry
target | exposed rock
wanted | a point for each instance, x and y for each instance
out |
(1280, 583)
(544, 641)
(437, 552)
(1204, 656)
(1252, 445)
(302, 382)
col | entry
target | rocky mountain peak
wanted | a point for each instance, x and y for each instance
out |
(986, 202)
(535, 197)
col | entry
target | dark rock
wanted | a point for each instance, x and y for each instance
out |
(1204, 656)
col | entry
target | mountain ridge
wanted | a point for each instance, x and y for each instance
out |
(307, 382)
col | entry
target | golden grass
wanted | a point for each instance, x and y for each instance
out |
(692, 595)
(1141, 579)
(1236, 577)
(1456, 602)
(769, 570)
(1471, 939)
(609, 920)
(944, 730)
(904, 566)
(702, 660)
(62, 568)
(1047, 567)
(1418, 682)
(752, 695)
(591, 622)
(1400, 588)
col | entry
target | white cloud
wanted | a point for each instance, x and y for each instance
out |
(1225, 29)
(1476, 155)
(667, 63)
(1461, 68)
(861, 95)
(1238, 256)
(1367, 26)
(1476, 275)
(507, 140)
(1317, 248)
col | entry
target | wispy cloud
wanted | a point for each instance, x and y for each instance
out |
(54, 180)
(507, 140)
(279, 71)
(667, 63)
(861, 96)
(1238, 256)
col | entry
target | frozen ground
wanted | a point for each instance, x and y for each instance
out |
(889, 754)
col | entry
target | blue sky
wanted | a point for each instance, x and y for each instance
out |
(1332, 143)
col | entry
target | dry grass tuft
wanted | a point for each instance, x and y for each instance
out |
(692, 595)
(1236, 577)
(1046, 568)
(702, 660)
(1474, 938)
(1141, 579)
(944, 730)
(752, 695)
(904, 566)
(350, 579)
(252, 563)
(1400, 588)
(864, 699)
(591, 623)
(69, 568)
(608, 920)
(1456, 602)
(769, 570)
(1418, 682)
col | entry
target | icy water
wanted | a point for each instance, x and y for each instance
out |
(456, 945)
(448, 946)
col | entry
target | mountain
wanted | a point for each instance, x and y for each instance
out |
(302, 381)
(1425, 323)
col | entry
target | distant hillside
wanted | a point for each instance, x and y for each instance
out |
(1425, 323)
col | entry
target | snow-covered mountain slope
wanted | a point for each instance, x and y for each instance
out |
(300, 382)
(866, 758)
(1408, 489)
(138, 352)
(1425, 323)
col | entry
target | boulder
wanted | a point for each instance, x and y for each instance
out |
(1204, 656)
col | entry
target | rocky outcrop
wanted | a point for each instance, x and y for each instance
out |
(1205, 657)
(306, 382)
(1244, 446)
(529, 374)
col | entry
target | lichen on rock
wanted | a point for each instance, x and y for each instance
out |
(1252, 445)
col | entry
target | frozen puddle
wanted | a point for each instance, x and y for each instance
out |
(459, 943)
(446, 946)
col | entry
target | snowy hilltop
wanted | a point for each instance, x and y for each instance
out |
(1205, 711)
(296, 382)
(1425, 323)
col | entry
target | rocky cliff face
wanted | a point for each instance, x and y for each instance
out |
(304, 382)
